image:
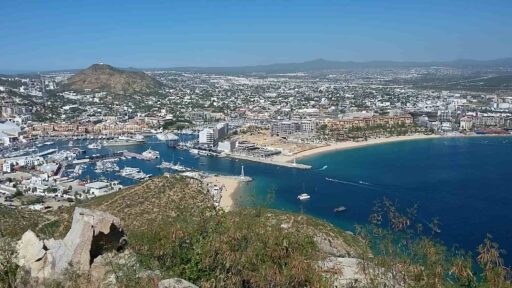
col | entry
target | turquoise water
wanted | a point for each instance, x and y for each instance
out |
(465, 182)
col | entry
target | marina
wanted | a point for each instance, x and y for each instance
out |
(354, 177)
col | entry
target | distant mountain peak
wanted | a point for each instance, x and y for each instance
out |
(101, 66)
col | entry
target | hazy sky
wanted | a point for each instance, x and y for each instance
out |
(39, 35)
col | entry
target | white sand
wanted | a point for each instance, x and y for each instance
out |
(349, 145)
(229, 186)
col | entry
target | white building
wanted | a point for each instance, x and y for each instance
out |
(206, 136)
(7, 167)
(102, 188)
(227, 146)
(220, 131)
(466, 123)
(9, 132)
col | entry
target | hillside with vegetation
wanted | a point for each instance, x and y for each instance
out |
(174, 230)
(105, 78)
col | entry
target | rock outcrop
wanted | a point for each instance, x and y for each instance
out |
(92, 234)
(175, 283)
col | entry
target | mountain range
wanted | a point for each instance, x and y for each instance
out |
(322, 65)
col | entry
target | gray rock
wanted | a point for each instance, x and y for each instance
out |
(92, 233)
(175, 283)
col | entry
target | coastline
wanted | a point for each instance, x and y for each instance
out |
(289, 160)
(229, 188)
(352, 145)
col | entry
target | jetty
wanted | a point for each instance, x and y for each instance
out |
(270, 161)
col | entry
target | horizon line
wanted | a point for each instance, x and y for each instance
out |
(31, 71)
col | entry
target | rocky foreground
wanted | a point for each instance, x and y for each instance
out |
(166, 232)
(167, 228)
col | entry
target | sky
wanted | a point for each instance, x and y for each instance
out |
(50, 35)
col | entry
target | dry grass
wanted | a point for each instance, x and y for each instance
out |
(153, 201)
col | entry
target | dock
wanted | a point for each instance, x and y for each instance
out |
(270, 161)
(47, 152)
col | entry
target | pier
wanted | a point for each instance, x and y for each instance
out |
(270, 161)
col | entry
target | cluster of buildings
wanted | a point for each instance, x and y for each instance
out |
(301, 107)
(211, 136)
(371, 121)
(291, 127)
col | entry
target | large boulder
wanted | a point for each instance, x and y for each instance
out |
(92, 234)
(175, 283)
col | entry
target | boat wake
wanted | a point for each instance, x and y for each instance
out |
(366, 185)
(323, 168)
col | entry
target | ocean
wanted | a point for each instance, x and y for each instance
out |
(464, 182)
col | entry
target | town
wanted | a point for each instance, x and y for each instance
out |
(269, 118)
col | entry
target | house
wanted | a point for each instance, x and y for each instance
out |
(102, 188)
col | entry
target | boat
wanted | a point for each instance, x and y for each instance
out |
(133, 173)
(106, 165)
(151, 154)
(70, 143)
(340, 209)
(136, 138)
(166, 137)
(122, 141)
(165, 165)
(77, 151)
(96, 145)
(179, 168)
(303, 197)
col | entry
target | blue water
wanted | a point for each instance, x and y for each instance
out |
(465, 182)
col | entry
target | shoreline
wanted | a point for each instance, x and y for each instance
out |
(339, 146)
(229, 188)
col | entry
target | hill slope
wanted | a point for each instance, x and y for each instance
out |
(173, 228)
(102, 77)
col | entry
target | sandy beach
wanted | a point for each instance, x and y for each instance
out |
(348, 145)
(229, 185)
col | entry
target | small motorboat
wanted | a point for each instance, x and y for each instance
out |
(303, 197)
(340, 209)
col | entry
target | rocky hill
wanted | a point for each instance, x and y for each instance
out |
(173, 230)
(103, 77)
(167, 229)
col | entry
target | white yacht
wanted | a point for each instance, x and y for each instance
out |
(133, 173)
(165, 165)
(96, 145)
(151, 154)
(179, 168)
(123, 141)
(303, 197)
(166, 136)
(106, 165)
